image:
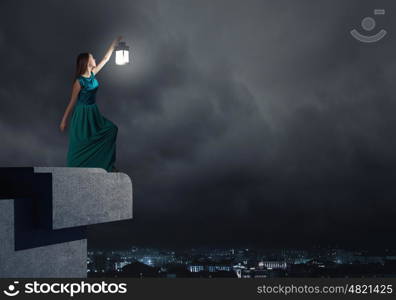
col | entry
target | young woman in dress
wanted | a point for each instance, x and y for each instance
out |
(92, 137)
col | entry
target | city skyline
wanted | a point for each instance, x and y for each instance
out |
(241, 262)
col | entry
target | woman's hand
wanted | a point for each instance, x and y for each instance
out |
(116, 41)
(62, 126)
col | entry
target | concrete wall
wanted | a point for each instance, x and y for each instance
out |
(44, 214)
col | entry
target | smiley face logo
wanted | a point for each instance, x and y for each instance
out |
(12, 291)
(368, 24)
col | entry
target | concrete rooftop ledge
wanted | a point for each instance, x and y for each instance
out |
(66, 170)
(83, 196)
(44, 213)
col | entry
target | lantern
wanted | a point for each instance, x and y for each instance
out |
(122, 54)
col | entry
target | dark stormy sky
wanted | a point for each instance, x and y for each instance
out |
(255, 122)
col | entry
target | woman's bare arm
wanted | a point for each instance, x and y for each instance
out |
(107, 56)
(75, 90)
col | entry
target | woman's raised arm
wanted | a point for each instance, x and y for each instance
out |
(107, 56)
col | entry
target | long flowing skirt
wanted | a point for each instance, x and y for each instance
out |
(92, 138)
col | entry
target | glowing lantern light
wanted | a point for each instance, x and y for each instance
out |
(122, 54)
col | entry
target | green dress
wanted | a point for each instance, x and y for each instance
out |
(92, 137)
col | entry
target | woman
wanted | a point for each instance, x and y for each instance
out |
(92, 137)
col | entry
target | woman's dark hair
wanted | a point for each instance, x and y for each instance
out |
(81, 64)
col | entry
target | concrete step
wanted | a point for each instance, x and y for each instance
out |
(44, 214)
(83, 197)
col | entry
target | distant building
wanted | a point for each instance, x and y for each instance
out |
(120, 265)
(366, 259)
(273, 265)
(196, 268)
(210, 266)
